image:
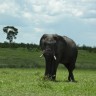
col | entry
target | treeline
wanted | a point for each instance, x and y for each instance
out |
(20, 45)
(37, 47)
(87, 48)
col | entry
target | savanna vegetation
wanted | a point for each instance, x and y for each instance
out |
(28, 56)
(29, 82)
(22, 70)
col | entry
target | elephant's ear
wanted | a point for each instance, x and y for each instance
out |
(56, 37)
(42, 39)
(44, 36)
(59, 38)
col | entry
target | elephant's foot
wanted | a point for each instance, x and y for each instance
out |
(49, 77)
(46, 77)
(53, 78)
(71, 79)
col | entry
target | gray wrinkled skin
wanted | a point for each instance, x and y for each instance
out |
(58, 50)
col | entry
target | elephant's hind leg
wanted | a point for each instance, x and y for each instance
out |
(70, 68)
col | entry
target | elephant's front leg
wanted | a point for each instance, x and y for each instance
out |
(54, 70)
(48, 70)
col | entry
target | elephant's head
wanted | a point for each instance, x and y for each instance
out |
(48, 45)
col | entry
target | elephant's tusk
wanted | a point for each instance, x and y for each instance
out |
(54, 57)
(41, 55)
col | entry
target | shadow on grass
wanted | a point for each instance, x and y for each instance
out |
(58, 81)
(67, 81)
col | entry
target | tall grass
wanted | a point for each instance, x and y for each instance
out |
(86, 60)
(19, 58)
(23, 58)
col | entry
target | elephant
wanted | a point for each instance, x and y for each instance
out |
(57, 50)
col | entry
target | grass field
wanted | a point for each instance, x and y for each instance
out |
(18, 58)
(21, 74)
(29, 82)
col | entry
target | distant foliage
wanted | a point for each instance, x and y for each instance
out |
(28, 46)
(35, 47)
(87, 48)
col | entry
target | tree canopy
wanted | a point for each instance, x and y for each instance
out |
(11, 32)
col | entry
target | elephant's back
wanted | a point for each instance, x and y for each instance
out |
(69, 41)
(71, 52)
(71, 48)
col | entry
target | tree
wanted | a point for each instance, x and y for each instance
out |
(11, 32)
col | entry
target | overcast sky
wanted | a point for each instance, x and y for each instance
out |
(73, 18)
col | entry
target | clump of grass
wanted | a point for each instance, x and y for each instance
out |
(25, 82)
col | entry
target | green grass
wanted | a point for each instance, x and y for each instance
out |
(86, 60)
(18, 58)
(29, 82)
(21, 74)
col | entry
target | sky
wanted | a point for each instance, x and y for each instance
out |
(33, 18)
